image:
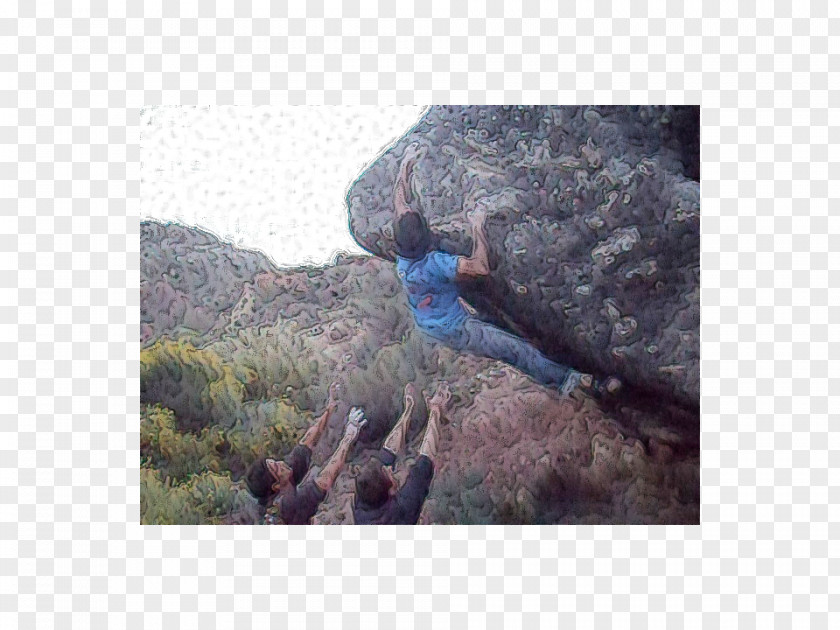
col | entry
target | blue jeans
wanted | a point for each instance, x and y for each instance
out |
(486, 340)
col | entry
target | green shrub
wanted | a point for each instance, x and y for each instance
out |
(208, 498)
(271, 431)
(195, 383)
(175, 454)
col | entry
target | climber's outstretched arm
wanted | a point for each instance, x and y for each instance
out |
(477, 264)
(401, 188)
(401, 206)
(326, 478)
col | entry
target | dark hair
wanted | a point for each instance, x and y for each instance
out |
(372, 484)
(260, 480)
(412, 237)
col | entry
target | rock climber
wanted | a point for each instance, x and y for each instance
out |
(430, 280)
(294, 499)
(379, 500)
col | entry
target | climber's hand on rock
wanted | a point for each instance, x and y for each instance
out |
(467, 306)
(412, 153)
(477, 215)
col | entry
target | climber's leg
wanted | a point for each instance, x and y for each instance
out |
(486, 340)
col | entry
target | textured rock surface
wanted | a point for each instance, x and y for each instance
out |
(234, 343)
(593, 227)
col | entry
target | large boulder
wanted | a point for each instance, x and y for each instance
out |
(593, 228)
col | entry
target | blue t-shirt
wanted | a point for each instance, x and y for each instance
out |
(432, 294)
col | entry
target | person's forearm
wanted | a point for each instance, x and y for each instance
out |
(401, 189)
(396, 438)
(406, 165)
(401, 206)
(310, 438)
(326, 478)
(479, 254)
(313, 434)
(434, 414)
(330, 409)
(428, 446)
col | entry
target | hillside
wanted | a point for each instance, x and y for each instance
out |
(237, 357)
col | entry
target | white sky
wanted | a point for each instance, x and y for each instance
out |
(266, 178)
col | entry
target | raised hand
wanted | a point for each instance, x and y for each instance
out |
(355, 416)
(478, 214)
(412, 153)
(355, 421)
(336, 391)
(441, 397)
(409, 396)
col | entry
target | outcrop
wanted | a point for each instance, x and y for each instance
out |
(593, 229)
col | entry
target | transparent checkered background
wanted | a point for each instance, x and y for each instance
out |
(72, 80)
